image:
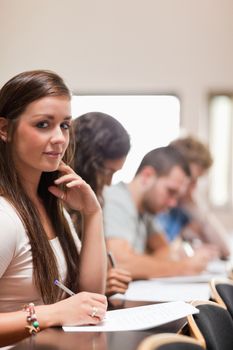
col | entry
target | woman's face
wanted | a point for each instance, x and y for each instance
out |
(110, 168)
(42, 135)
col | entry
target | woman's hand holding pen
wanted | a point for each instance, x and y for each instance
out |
(117, 281)
(81, 309)
(78, 195)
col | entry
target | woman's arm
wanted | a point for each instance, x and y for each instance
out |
(93, 257)
(76, 310)
(78, 195)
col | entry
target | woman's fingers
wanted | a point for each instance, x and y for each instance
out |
(68, 178)
(64, 168)
(100, 297)
(97, 310)
(76, 193)
(57, 192)
(97, 307)
(82, 309)
(119, 274)
(116, 287)
(114, 290)
(116, 283)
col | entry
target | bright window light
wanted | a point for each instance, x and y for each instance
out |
(220, 143)
(151, 121)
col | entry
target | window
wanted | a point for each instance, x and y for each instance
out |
(151, 121)
(221, 128)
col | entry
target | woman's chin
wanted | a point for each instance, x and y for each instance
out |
(50, 169)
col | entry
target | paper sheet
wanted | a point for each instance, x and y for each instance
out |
(152, 290)
(218, 267)
(215, 269)
(202, 278)
(138, 318)
(184, 288)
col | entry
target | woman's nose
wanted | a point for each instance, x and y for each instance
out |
(58, 136)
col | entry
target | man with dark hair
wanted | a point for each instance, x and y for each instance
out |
(163, 159)
(131, 234)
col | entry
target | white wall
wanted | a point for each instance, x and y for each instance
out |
(127, 46)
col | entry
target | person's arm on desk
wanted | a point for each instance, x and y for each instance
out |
(209, 233)
(145, 266)
(206, 226)
(76, 310)
(158, 242)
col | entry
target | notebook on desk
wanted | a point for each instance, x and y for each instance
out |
(139, 318)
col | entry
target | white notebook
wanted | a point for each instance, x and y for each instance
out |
(138, 318)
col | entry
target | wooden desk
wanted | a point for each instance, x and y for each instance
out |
(57, 339)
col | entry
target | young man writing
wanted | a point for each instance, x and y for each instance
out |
(129, 209)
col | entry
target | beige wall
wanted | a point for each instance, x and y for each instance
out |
(127, 46)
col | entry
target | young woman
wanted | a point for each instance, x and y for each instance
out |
(38, 241)
(101, 144)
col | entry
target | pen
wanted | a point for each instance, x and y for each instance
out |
(111, 259)
(188, 249)
(60, 285)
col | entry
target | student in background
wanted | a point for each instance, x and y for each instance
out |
(191, 218)
(38, 241)
(102, 145)
(129, 225)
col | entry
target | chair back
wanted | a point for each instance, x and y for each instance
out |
(212, 326)
(222, 293)
(169, 341)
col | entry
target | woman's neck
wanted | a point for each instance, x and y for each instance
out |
(31, 187)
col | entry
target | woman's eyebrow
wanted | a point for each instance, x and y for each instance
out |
(49, 116)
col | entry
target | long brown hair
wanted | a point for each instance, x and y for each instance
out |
(15, 96)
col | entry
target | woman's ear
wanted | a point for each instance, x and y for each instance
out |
(3, 129)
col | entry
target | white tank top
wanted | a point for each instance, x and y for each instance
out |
(16, 269)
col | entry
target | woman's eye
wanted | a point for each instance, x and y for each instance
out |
(42, 125)
(65, 125)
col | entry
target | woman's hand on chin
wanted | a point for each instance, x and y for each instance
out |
(77, 194)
